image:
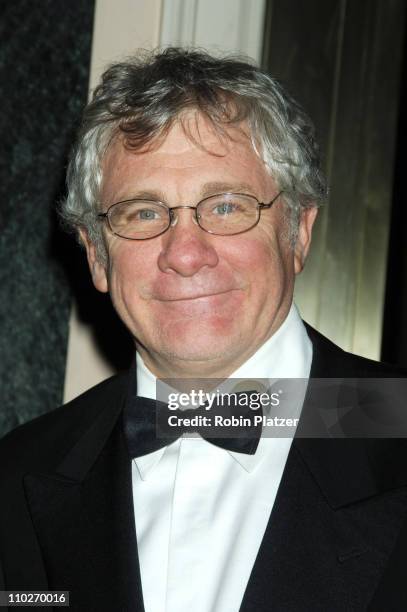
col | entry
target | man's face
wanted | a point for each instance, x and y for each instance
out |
(195, 302)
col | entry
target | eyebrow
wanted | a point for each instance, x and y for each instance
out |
(208, 189)
(216, 187)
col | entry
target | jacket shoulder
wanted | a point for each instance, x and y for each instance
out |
(57, 430)
(330, 360)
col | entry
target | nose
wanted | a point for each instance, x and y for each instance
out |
(186, 248)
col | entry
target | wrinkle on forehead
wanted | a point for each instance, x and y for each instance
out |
(199, 129)
(222, 135)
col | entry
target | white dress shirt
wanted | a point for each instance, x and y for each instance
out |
(201, 511)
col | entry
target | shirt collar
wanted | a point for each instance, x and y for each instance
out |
(287, 354)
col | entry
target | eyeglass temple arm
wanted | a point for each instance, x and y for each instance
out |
(270, 204)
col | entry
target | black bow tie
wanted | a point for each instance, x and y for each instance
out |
(146, 426)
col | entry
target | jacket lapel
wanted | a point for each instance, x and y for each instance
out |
(336, 518)
(84, 520)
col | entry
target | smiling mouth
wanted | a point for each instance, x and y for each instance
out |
(190, 298)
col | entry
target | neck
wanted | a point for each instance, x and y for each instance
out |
(179, 368)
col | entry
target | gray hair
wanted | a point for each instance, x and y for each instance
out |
(143, 96)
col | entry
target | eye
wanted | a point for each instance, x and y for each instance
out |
(224, 208)
(147, 214)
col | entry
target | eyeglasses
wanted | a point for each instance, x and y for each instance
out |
(224, 214)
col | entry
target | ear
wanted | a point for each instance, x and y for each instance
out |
(97, 269)
(308, 216)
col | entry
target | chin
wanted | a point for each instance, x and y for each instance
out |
(198, 340)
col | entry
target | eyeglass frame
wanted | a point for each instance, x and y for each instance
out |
(260, 206)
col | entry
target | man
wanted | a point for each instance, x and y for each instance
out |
(194, 187)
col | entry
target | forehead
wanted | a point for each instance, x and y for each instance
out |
(191, 155)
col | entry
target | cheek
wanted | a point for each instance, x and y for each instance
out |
(269, 264)
(264, 258)
(131, 266)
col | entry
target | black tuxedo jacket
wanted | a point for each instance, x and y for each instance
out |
(336, 539)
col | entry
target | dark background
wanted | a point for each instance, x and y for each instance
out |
(394, 346)
(44, 71)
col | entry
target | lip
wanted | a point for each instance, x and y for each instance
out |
(202, 305)
(200, 296)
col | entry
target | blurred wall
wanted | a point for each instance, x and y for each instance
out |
(342, 60)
